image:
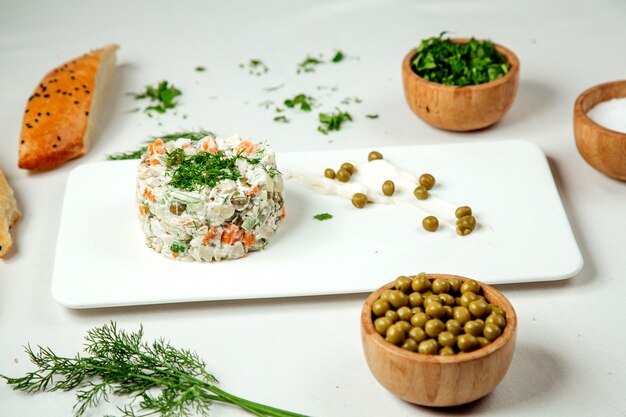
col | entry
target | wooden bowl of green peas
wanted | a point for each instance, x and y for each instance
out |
(438, 340)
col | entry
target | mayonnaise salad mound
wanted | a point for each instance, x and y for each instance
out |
(208, 200)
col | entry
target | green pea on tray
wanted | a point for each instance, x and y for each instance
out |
(437, 317)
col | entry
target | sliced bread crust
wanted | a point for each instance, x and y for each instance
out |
(9, 214)
(61, 113)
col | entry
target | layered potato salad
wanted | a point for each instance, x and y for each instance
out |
(209, 199)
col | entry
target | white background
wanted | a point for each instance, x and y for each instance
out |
(304, 354)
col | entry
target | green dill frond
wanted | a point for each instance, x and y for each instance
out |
(191, 134)
(157, 378)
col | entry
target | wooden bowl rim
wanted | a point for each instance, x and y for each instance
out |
(584, 118)
(367, 325)
(510, 57)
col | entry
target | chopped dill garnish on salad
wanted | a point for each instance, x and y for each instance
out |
(193, 135)
(204, 169)
(323, 216)
(164, 94)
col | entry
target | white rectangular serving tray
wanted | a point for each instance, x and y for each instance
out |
(524, 235)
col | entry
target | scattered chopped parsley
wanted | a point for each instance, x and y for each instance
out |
(193, 135)
(164, 94)
(255, 67)
(445, 62)
(178, 248)
(332, 121)
(372, 116)
(323, 216)
(339, 56)
(281, 119)
(200, 69)
(204, 169)
(309, 64)
(274, 88)
(326, 87)
(349, 100)
(301, 101)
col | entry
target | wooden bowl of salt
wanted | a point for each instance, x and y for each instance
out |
(600, 128)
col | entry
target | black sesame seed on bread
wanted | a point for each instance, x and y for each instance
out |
(9, 214)
(61, 113)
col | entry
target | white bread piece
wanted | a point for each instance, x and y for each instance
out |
(9, 214)
(61, 114)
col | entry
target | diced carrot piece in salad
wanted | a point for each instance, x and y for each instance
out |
(210, 235)
(249, 240)
(149, 195)
(208, 144)
(232, 234)
(246, 146)
(252, 190)
(158, 146)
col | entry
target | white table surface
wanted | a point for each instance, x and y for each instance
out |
(304, 354)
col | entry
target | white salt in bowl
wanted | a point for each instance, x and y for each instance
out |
(603, 148)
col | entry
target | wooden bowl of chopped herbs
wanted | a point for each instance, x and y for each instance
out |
(460, 84)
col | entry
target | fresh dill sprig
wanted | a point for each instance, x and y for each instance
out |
(164, 94)
(193, 135)
(157, 378)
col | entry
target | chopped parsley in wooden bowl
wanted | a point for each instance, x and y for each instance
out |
(460, 84)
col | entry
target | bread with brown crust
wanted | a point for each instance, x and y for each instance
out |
(9, 214)
(61, 113)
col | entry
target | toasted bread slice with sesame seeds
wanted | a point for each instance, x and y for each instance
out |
(9, 214)
(61, 114)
